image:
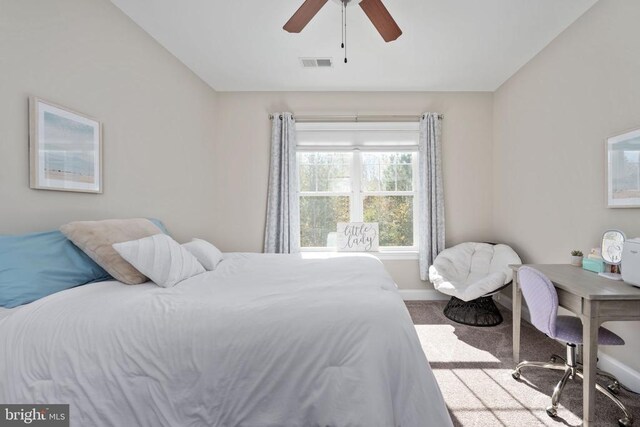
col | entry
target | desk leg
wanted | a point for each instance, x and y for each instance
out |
(590, 326)
(516, 311)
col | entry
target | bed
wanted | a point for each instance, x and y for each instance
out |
(264, 340)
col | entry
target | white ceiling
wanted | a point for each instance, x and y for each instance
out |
(447, 45)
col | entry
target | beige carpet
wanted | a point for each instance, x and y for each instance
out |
(473, 367)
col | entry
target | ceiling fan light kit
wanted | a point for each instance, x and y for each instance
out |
(374, 9)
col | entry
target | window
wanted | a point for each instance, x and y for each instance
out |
(356, 172)
(325, 195)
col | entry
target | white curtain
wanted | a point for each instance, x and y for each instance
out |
(282, 231)
(430, 192)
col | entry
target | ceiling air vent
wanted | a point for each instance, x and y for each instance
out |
(316, 62)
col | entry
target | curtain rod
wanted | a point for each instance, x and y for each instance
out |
(357, 118)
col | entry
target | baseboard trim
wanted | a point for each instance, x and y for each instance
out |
(422, 295)
(625, 374)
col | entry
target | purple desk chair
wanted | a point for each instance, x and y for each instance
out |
(542, 300)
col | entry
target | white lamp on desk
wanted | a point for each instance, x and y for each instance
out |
(612, 245)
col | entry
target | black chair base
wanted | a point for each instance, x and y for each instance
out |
(478, 312)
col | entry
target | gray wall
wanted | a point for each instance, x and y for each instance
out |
(244, 134)
(158, 117)
(551, 120)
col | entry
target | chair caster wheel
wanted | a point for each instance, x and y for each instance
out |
(553, 412)
(625, 422)
(515, 375)
(614, 387)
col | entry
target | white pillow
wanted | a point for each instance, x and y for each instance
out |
(208, 255)
(160, 258)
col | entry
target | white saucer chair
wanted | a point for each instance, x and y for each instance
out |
(471, 273)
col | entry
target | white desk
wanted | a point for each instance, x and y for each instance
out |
(595, 300)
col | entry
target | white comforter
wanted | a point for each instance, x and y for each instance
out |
(265, 340)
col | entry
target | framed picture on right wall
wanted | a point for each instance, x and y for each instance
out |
(623, 170)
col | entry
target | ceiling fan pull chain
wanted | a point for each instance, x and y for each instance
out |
(345, 33)
(342, 26)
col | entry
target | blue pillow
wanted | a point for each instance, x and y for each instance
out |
(33, 266)
(160, 225)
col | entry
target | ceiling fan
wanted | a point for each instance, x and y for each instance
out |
(374, 9)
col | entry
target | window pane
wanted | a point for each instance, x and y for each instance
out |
(388, 177)
(404, 174)
(370, 175)
(319, 217)
(323, 171)
(394, 215)
(306, 175)
(387, 171)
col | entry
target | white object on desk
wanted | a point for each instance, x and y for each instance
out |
(631, 260)
(612, 243)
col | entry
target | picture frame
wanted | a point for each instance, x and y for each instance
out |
(358, 237)
(65, 149)
(623, 170)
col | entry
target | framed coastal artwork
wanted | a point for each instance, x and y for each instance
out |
(623, 170)
(65, 149)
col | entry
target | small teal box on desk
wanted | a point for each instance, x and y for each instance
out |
(594, 265)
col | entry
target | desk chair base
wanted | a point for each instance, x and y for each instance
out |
(571, 370)
(478, 312)
(614, 385)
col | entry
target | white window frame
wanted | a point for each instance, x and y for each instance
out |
(348, 137)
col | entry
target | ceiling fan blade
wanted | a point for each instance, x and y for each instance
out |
(303, 15)
(381, 19)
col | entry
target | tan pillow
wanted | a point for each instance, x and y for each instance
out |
(95, 238)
